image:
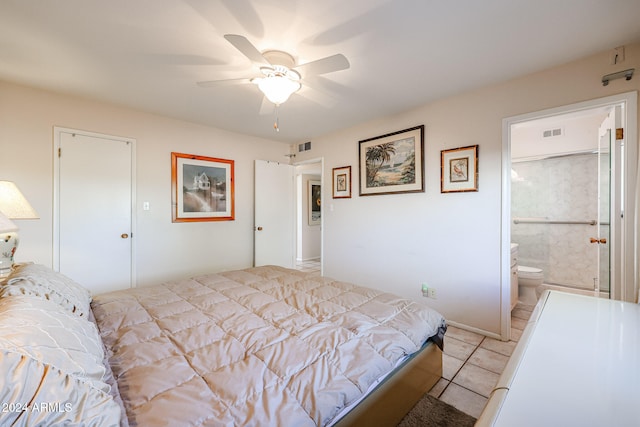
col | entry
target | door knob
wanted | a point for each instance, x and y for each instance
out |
(594, 240)
(259, 228)
(124, 235)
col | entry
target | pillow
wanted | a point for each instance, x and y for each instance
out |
(42, 282)
(37, 394)
(51, 367)
(44, 331)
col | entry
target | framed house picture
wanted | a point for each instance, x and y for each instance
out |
(315, 202)
(459, 169)
(392, 163)
(202, 188)
(342, 182)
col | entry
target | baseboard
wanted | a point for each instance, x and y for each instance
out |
(308, 259)
(476, 330)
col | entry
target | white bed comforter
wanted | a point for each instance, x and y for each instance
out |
(264, 346)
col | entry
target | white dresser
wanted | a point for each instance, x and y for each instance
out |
(576, 364)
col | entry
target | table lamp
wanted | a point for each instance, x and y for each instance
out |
(8, 235)
(13, 205)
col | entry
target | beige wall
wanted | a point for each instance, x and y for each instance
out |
(450, 241)
(394, 243)
(164, 250)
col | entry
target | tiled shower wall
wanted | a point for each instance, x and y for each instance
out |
(558, 189)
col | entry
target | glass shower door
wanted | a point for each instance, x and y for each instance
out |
(603, 232)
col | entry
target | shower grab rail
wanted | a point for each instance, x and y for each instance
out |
(551, 221)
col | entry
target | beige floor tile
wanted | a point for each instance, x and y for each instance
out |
(489, 360)
(458, 349)
(520, 313)
(525, 307)
(463, 335)
(450, 366)
(503, 347)
(476, 379)
(465, 400)
(439, 387)
(515, 334)
(518, 323)
(472, 364)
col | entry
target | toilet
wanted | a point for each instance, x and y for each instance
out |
(529, 278)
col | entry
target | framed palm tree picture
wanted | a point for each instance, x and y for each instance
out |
(392, 163)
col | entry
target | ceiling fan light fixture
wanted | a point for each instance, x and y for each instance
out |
(277, 88)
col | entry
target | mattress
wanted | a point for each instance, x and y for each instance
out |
(259, 346)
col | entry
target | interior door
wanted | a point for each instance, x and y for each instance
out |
(274, 214)
(94, 202)
(613, 265)
(603, 231)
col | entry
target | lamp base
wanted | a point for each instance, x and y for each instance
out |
(8, 245)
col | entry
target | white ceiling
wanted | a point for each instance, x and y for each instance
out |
(149, 54)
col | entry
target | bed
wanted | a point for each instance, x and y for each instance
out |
(257, 347)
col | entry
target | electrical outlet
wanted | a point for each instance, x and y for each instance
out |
(425, 290)
(428, 292)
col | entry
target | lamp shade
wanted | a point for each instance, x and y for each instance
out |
(6, 224)
(13, 204)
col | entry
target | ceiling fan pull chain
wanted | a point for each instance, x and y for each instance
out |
(276, 124)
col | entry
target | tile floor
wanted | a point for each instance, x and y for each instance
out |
(309, 266)
(472, 364)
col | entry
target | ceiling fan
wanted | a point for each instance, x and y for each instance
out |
(281, 76)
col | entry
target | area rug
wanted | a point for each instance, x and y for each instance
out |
(431, 412)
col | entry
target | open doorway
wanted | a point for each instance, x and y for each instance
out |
(561, 200)
(612, 225)
(309, 222)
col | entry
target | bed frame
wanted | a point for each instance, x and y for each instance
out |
(394, 397)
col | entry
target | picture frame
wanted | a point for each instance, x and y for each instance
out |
(202, 188)
(392, 163)
(315, 202)
(342, 182)
(459, 169)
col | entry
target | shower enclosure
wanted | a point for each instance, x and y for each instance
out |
(560, 206)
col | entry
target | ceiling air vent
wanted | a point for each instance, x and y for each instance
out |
(305, 146)
(552, 132)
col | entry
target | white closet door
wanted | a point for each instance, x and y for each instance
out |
(95, 211)
(274, 214)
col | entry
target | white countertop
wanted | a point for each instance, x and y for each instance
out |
(578, 364)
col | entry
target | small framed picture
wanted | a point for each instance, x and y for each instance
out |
(202, 188)
(315, 202)
(342, 182)
(459, 169)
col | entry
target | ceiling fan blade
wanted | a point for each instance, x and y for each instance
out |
(246, 48)
(224, 82)
(329, 64)
(318, 96)
(246, 15)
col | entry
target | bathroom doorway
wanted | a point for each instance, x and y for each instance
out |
(572, 195)
(560, 198)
